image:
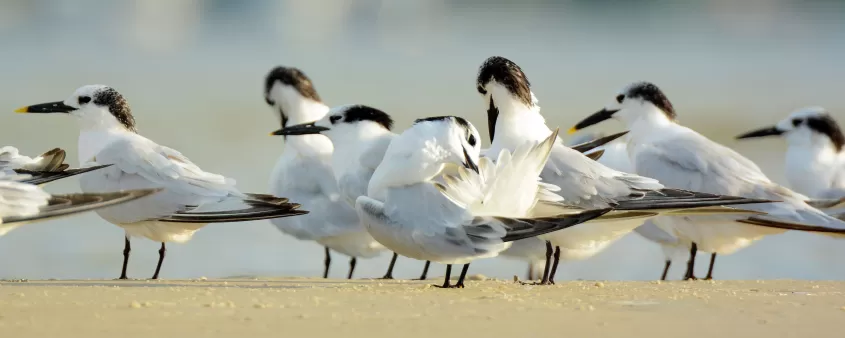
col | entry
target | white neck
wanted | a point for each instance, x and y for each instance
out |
(303, 110)
(95, 118)
(97, 128)
(355, 142)
(646, 123)
(517, 122)
(811, 164)
(297, 110)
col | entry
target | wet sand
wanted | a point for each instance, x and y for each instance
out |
(247, 307)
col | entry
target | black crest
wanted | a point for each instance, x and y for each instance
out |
(292, 77)
(649, 92)
(825, 124)
(459, 120)
(365, 113)
(508, 74)
(109, 97)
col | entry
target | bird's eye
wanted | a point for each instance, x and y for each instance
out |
(334, 118)
(620, 98)
(481, 90)
(84, 99)
(471, 140)
(796, 122)
(269, 101)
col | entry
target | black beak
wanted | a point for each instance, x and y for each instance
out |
(770, 131)
(46, 108)
(597, 117)
(300, 129)
(469, 163)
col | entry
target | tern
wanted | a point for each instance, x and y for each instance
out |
(514, 118)
(361, 135)
(659, 147)
(190, 197)
(304, 173)
(815, 160)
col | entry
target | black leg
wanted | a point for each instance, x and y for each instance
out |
(160, 260)
(446, 281)
(389, 274)
(554, 266)
(548, 267)
(462, 277)
(710, 269)
(352, 263)
(690, 275)
(327, 262)
(530, 271)
(666, 269)
(126, 249)
(425, 271)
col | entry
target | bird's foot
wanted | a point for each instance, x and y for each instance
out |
(548, 282)
(450, 286)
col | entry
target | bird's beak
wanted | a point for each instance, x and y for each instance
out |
(769, 131)
(300, 129)
(468, 163)
(46, 108)
(597, 117)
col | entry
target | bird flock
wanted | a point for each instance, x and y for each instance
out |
(350, 182)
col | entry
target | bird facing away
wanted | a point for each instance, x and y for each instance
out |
(189, 199)
(679, 157)
(475, 213)
(304, 173)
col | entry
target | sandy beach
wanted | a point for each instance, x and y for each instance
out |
(259, 307)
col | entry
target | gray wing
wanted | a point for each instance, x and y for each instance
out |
(310, 182)
(419, 222)
(354, 184)
(693, 162)
(589, 184)
(43, 177)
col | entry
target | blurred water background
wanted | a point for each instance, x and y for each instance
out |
(193, 72)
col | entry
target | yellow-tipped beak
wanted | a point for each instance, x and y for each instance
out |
(572, 130)
(22, 110)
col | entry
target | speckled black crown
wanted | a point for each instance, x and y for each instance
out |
(825, 124)
(366, 113)
(649, 92)
(292, 77)
(508, 74)
(118, 107)
(459, 120)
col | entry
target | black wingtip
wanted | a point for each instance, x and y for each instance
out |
(589, 145)
(769, 223)
(679, 198)
(533, 227)
(43, 177)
